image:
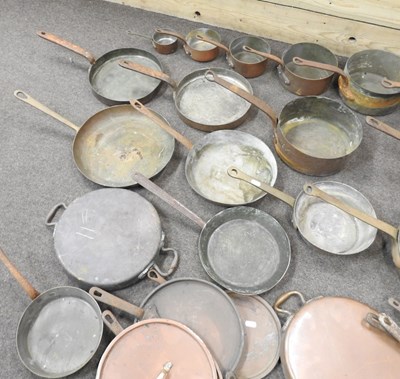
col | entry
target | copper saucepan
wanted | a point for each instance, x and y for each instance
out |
(198, 50)
(247, 64)
(362, 85)
(313, 135)
(301, 80)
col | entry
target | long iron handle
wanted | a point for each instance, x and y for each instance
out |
(21, 95)
(22, 281)
(379, 125)
(234, 172)
(159, 192)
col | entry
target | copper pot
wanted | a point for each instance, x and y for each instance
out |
(302, 81)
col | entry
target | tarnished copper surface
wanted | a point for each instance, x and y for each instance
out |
(142, 350)
(329, 338)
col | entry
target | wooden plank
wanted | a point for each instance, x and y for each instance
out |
(378, 12)
(282, 23)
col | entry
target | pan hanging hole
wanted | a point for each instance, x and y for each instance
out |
(233, 171)
(396, 303)
(20, 94)
(308, 189)
(209, 75)
(108, 318)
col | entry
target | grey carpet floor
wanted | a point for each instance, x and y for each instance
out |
(37, 170)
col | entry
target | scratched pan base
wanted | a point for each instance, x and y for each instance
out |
(245, 250)
(108, 238)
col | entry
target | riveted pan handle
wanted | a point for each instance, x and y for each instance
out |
(53, 212)
(162, 124)
(114, 301)
(213, 77)
(159, 192)
(263, 54)
(21, 95)
(130, 65)
(211, 41)
(234, 172)
(172, 33)
(111, 322)
(68, 45)
(285, 297)
(322, 66)
(22, 281)
(165, 371)
(390, 83)
(377, 124)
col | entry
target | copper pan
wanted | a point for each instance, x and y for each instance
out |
(363, 86)
(337, 337)
(313, 135)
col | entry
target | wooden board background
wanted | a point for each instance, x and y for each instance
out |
(343, 26)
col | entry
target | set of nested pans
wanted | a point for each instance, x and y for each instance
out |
(110, 238)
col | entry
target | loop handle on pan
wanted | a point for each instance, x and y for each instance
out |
(394, 303)
(114, 301)
(383, 322)
(130, 65)
(174, 263)
(22, 281)
(204, 38)
(52, 213)
(323, 66)
(285, 297)
(379, 125)
(263, 54)
(234, 172)
(21, 95)
(159, 192)
(312, 190)
(213, 77)
(111, 322)
(390, 83)
(154, 275)
(172, 33)
(68, 45)
(171, 131)
(165, 370)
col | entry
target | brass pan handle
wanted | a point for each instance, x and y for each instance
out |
(204, 38)
(213, 77)
(21, 95)
(285, 297)
(379, 125)
(265, 55)
(234, 172)
(68, 45)
(171, 131)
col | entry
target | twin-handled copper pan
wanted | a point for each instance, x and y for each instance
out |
(302, 81)
(321, 224)
(198, 50)
(200, 305)
(113, 142)
(362, 84)
(247, 64)
(333, 337)
(209, 158)
(313, 135)
(243, 249)
(59, 331)
(200, 103)
(109, 82)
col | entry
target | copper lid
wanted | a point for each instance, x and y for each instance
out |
(143, 349)
(329, 338)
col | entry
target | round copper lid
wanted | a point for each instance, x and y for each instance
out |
(329, 338)
(143, 350)
(262, 336)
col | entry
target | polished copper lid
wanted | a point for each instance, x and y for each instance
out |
(329, 338)
(150, 348)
